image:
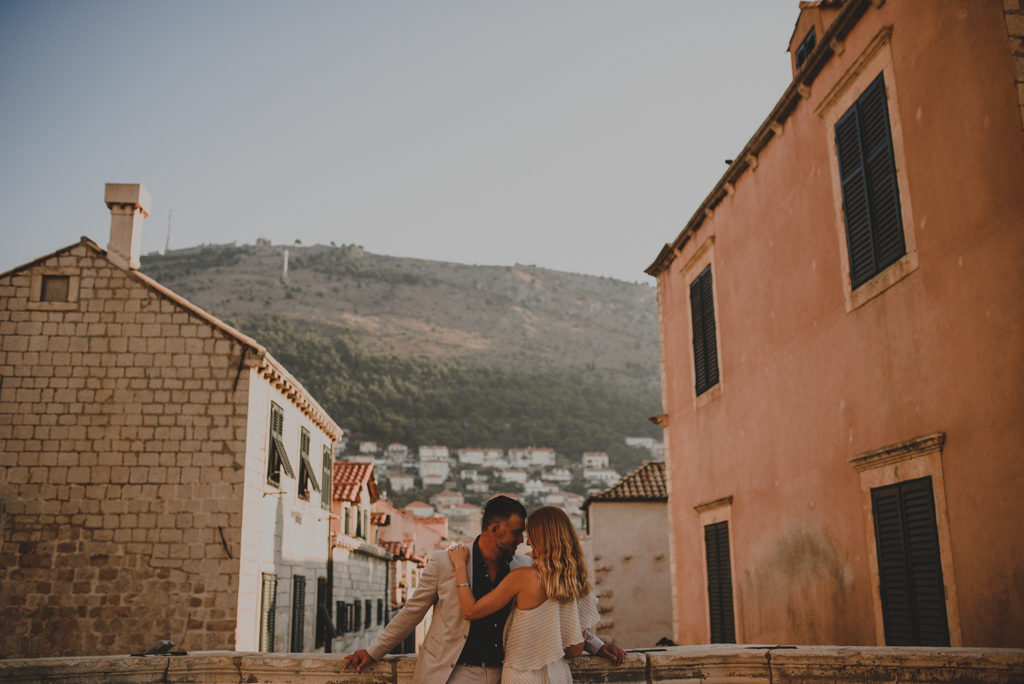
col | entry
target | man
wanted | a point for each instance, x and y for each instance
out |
(456, 650)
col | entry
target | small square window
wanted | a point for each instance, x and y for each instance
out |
(55, 288)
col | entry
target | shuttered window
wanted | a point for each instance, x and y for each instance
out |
(909, 564)
(357, 616)
(369, 614)
(55, 288)
(298, 613)
(268, 606)
(306, 477)
(705, 346)
(323, 612)
(325, 480)
(277, 458)
(871, 198)
(380, 611)
(342, 611)
(806, 47)
(716, 544)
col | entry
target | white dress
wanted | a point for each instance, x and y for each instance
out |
(535, 640)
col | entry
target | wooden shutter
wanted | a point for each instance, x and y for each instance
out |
(705, 346)
(323, 610)
(357, 616)
(342, 611)
(867, 171)
(325, 490)
(369, 614)
(268, 607)
(380, 611)
(716, 544)
(277, 458)
(298, 613)
(909, 564)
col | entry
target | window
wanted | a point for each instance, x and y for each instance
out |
(54, 288)
(380, 611)
(705, 347)
(806, 48)
(867, 175)
(369, 614)
(342, 610)
(277, 458)
(298, 613)
(324, 628)
(306, 479)
(325, 480)
(348, 521)
(909, 564)
(357, 616)
(716, 544)
(268, 606)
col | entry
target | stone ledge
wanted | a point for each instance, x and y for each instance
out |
(726, 663)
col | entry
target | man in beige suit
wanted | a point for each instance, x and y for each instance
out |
(457, 650)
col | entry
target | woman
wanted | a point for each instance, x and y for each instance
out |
(553, 602)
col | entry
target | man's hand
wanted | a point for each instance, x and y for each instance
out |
(358, 660)
(613, 653)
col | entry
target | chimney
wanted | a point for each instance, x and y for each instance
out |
(129, 204)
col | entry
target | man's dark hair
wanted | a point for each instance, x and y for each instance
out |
(500, 508)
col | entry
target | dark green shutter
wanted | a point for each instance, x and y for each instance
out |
(867, 171)
(380, 611)
(268, 607)
(716, 543)
(369, 614)
(342, 610)
(327, 485)
(909, 564)
(357, 616)
(323, 610)
(705, 345)
(298, 613)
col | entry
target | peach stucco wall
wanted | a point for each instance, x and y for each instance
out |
(807, 382)
(630, 567)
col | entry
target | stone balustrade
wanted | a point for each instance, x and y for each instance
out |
(706, 664)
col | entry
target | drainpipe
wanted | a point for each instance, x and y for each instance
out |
(329, 627)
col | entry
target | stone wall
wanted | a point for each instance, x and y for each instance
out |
(747, 664)
(122, 432)
(360, 574)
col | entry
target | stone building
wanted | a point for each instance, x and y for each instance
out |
(161, 471)
(842, 336)
(358, 607)
(628, 531)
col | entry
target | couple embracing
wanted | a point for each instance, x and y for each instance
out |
(547, 604)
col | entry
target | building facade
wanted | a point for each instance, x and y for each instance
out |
(161, 471)
(628, 532)
(842, 349)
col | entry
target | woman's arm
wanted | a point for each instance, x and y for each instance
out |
(495, 600)
(574, 650)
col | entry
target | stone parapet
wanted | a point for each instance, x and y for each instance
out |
(769, 664)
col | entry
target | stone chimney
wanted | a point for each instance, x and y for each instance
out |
(129, 204)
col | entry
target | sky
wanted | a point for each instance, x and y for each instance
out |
(578, 135)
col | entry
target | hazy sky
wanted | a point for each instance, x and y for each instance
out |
(578, 135)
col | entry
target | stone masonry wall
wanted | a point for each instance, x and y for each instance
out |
(122, 444)
(358, 576)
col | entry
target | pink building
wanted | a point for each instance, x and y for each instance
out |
(842, 348)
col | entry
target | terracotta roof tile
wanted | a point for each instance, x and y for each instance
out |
(349, 478)
(645, 483)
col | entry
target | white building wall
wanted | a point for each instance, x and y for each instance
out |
(281, 534)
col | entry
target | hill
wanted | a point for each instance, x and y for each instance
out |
(421, 352)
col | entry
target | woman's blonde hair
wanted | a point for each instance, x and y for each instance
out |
(557, 554)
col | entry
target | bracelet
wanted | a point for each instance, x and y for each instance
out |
(464, 584)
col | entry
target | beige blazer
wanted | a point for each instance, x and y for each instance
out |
(448, 629)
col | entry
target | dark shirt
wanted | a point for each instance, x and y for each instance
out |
(483, 646)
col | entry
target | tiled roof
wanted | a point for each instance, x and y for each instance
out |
(401, 549)
(349, 478)
(379, 518)
(645, 483)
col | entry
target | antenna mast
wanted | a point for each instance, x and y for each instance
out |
(167, 244)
